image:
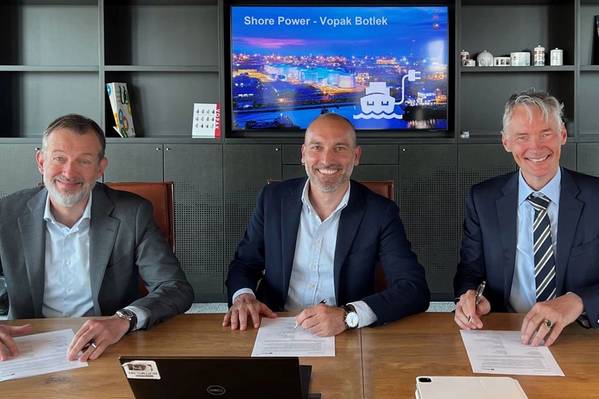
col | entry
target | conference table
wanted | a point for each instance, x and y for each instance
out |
(430, 344)
(381, 362)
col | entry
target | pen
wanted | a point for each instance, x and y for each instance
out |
(324, 301)
(479, 294)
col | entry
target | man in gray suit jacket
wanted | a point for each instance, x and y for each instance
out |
(78, 248)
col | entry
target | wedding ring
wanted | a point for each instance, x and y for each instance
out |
(92, 343)
(548, 323)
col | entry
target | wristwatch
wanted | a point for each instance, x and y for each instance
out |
(128, 315)
(351, 317)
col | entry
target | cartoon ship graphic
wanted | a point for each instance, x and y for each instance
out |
(377, 99)
(378, 102)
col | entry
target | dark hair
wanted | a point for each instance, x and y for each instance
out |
(78, 124)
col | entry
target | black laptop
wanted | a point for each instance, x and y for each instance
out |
(217, 377)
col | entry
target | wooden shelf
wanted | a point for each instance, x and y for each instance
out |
(161, 68)
(517, 69)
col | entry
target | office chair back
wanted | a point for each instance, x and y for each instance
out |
(386, 189)
(160, 194)
(381, 187)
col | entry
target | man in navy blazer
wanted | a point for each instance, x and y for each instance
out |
(504, 232)
(312, 245)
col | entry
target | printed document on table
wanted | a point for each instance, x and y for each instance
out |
(501, 352)
(40, 354)
(280, 337)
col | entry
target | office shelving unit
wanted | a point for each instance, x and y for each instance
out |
(502, 27)
(57, 56)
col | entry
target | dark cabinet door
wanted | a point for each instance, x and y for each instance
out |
(19, 170)
(429, 210)
(133, 162)
(196, 170)
(248, 168)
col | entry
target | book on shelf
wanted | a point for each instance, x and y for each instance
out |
(206, 121)
(121, 108)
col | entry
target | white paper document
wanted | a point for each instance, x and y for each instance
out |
(501, 352)
(40, 354)
(280, 337)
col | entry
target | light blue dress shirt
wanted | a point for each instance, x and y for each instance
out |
(523, 292)
(67, 285)
(312, 276)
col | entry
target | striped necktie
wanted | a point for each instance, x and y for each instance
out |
(543, 249)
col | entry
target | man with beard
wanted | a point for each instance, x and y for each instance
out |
(313, 244)
(78, 248)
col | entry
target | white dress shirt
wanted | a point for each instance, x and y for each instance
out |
(523, 292)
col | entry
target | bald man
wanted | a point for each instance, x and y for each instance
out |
(312, 245)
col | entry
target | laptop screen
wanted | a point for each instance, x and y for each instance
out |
(215, 377)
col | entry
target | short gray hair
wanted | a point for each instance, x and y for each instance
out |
(550, 107)
(78, 124)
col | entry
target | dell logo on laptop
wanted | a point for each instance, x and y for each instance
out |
(216, 390)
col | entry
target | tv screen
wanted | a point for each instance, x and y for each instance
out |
(383, 68)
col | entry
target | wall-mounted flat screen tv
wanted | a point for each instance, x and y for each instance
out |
(385, 68)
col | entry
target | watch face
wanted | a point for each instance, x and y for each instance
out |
(352, 319)
(123, 314)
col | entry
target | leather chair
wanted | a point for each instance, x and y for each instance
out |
(381, 187)
(160, 195)
(386, 189)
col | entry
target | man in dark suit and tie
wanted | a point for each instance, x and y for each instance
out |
(78, 248)
(312, 245)
(532, 235)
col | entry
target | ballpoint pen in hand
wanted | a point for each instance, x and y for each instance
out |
(324, 301)
(479, 294)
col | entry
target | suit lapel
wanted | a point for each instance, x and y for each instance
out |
(349, 223)
(291, 208)
(102, 236)
(507, 214)
(33, 237)
(570, 209)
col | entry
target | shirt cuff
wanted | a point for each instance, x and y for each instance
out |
(142, 317)
(365, 315)
(242, 291)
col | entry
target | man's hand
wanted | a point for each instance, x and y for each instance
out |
(322, 320)
(8, 347)
(95, 336)
(244, 305)
(467, 312)
(546, 320)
